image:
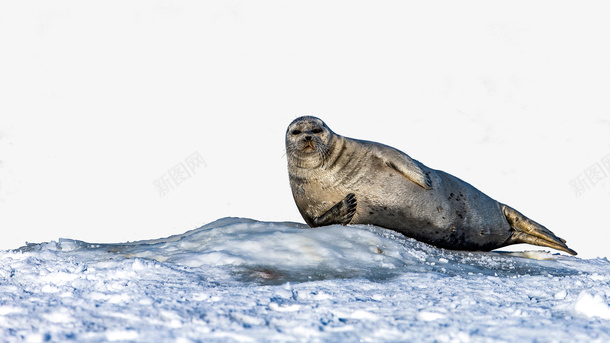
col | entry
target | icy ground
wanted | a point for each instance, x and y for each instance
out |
(243, 280)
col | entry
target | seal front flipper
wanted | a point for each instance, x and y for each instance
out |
(528, 231)
(407, 167)
(342, 213)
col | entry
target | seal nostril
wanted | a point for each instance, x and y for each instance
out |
(308, 138)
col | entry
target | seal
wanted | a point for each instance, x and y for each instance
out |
(340, 180)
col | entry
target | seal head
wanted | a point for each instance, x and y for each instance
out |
(308, 142)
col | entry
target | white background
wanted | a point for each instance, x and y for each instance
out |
(100, 99)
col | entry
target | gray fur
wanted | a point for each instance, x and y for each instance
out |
(339, 180)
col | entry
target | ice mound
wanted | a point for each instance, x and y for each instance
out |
(248, 250)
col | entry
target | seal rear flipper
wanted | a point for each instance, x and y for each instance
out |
(530, 232)
(341, 213)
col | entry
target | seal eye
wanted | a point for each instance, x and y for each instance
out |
(296, 132)
(316, 130)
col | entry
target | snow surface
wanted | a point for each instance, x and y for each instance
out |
(241, 280)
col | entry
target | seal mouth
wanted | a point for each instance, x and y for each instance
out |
(308, 147)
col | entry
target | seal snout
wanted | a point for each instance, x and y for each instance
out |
(307, 144)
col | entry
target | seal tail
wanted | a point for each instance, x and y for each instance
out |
(528, 231)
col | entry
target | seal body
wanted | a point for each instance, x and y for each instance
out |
(339, 180)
